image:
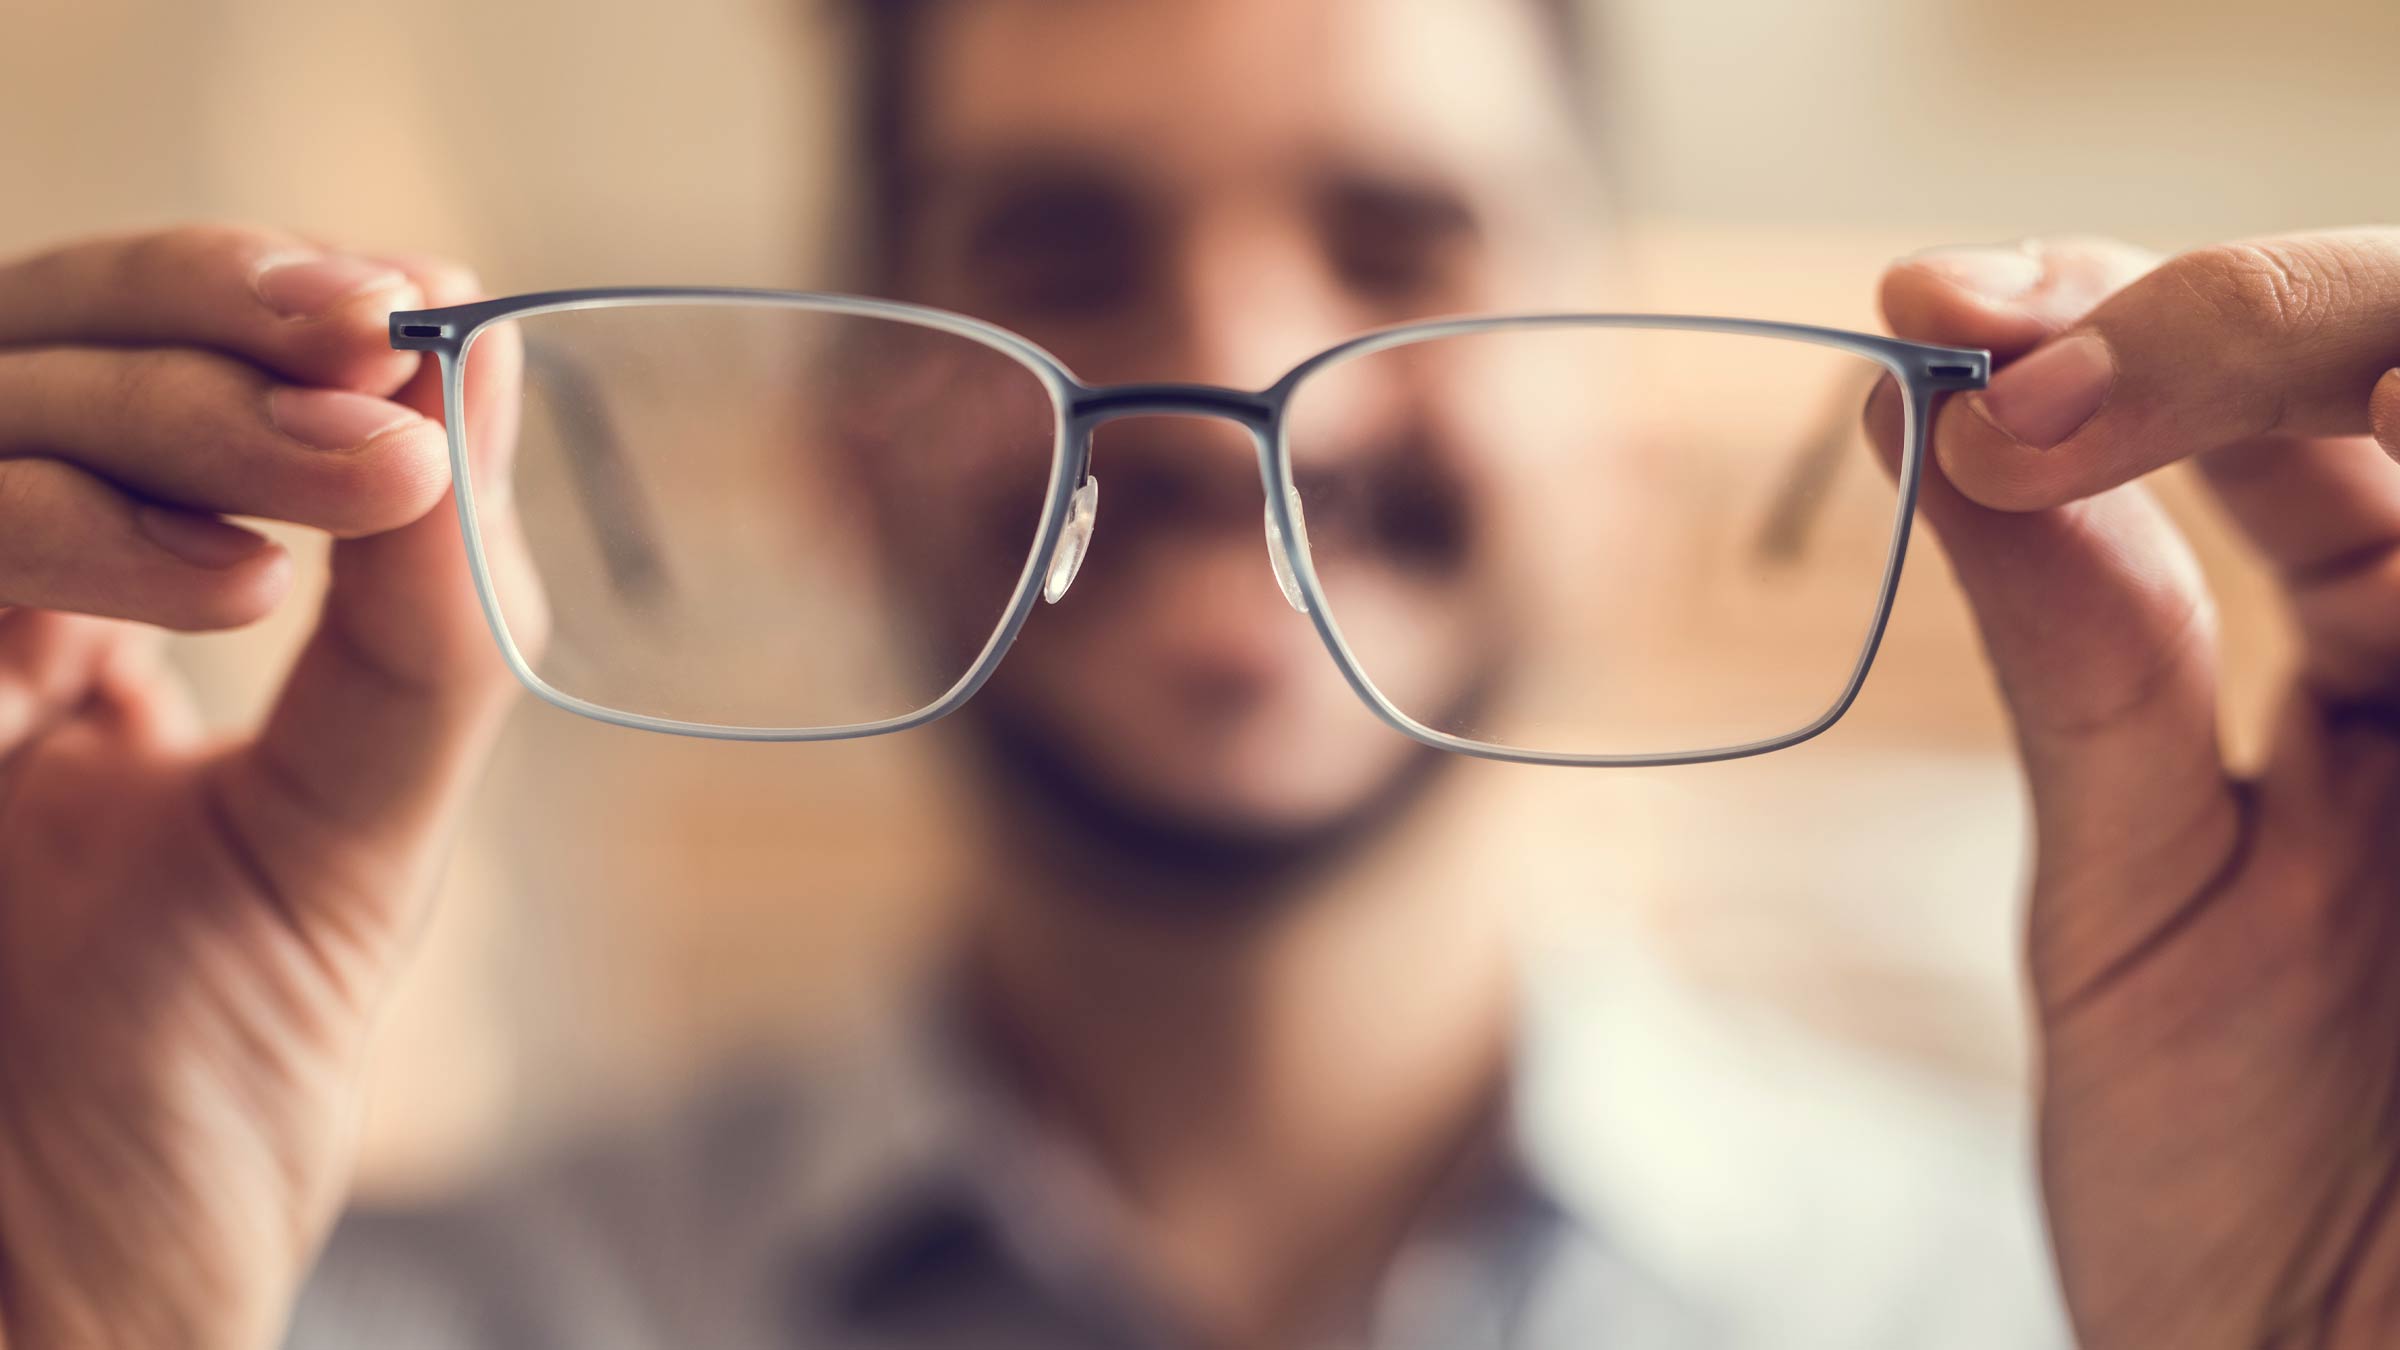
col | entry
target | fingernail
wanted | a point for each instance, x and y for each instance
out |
(2048, 396)
(313, 285)
(333, 419)
(203, 541)
(1993, 273)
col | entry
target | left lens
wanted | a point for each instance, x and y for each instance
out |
(1587, 539)
(777, 516)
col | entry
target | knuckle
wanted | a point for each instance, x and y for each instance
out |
(186, 392)
(382, 485)
(34, 495)
(2280, 289)
(132, 379)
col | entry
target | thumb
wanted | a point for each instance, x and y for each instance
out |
(2101, 636)
(375, 742)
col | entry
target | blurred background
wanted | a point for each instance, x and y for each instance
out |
(628, 909)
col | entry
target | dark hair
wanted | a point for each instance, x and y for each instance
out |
(884, 33)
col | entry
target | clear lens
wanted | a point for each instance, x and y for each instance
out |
(1597, 540)
(762, 515)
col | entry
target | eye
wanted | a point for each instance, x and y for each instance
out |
(1399, 243)
(1060, 249)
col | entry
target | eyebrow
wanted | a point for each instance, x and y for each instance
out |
(1422, 192)
(1004, 172)
(1027, 208)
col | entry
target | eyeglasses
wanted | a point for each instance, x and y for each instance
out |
(1550, 538)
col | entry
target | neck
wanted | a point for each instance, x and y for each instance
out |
(1277, 1084)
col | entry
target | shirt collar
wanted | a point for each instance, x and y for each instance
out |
(1695, 1142)
(916, 1155)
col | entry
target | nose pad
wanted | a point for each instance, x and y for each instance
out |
(1073, 541)
(1279, 553)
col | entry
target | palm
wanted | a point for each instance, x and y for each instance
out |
(120, 872)
(2210, 955)
(2218, 1132)
(194, 933)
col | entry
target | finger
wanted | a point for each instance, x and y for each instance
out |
(2325, 511)
(2354, 614)
(2218, 347)
(69, 541)
(2007, 299)
(371, 748)
(433, 589)
(2384, 414)
(212, 433)
(2014, 296)
(492, 383)
(55, 665)
(2100, 635)
(2316, 508)
(2351, 621)
(48, 662)
(315, 316)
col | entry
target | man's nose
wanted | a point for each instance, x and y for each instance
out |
(1243, 302)
(1247, 302)
(1178, 476)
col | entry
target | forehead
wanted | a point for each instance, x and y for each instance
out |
(1240, 86)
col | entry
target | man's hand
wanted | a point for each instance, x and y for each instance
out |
(2216, 960)
(193, 933)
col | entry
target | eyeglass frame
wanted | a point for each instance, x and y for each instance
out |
(1921, 371)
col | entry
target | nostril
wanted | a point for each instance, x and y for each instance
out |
(1073, 542)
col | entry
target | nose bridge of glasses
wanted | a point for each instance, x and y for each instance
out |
(1255, 412)
(1092, 407)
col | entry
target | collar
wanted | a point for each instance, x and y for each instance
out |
(914, 1156)
(1717, 1154)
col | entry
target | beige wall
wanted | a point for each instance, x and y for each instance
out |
(626, 901)
(2169, 121)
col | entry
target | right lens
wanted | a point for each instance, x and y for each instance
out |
(1597, 539)
(770, 515)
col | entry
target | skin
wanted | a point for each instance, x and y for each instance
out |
(2219, 1052)
(1188, 818)
(172, 1150)
(1340, 184)
(2209, 952)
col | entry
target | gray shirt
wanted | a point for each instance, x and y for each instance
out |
(1679, 1173)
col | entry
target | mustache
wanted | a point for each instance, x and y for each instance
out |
(1400, 499)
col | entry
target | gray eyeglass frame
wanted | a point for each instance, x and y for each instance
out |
(1920, 370)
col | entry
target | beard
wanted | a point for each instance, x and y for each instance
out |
(1400, 502)
(1177, 863)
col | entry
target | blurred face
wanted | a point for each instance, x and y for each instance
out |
(1211, 191)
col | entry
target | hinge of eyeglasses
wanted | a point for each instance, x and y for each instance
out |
(417, 335)
(1959, 370)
